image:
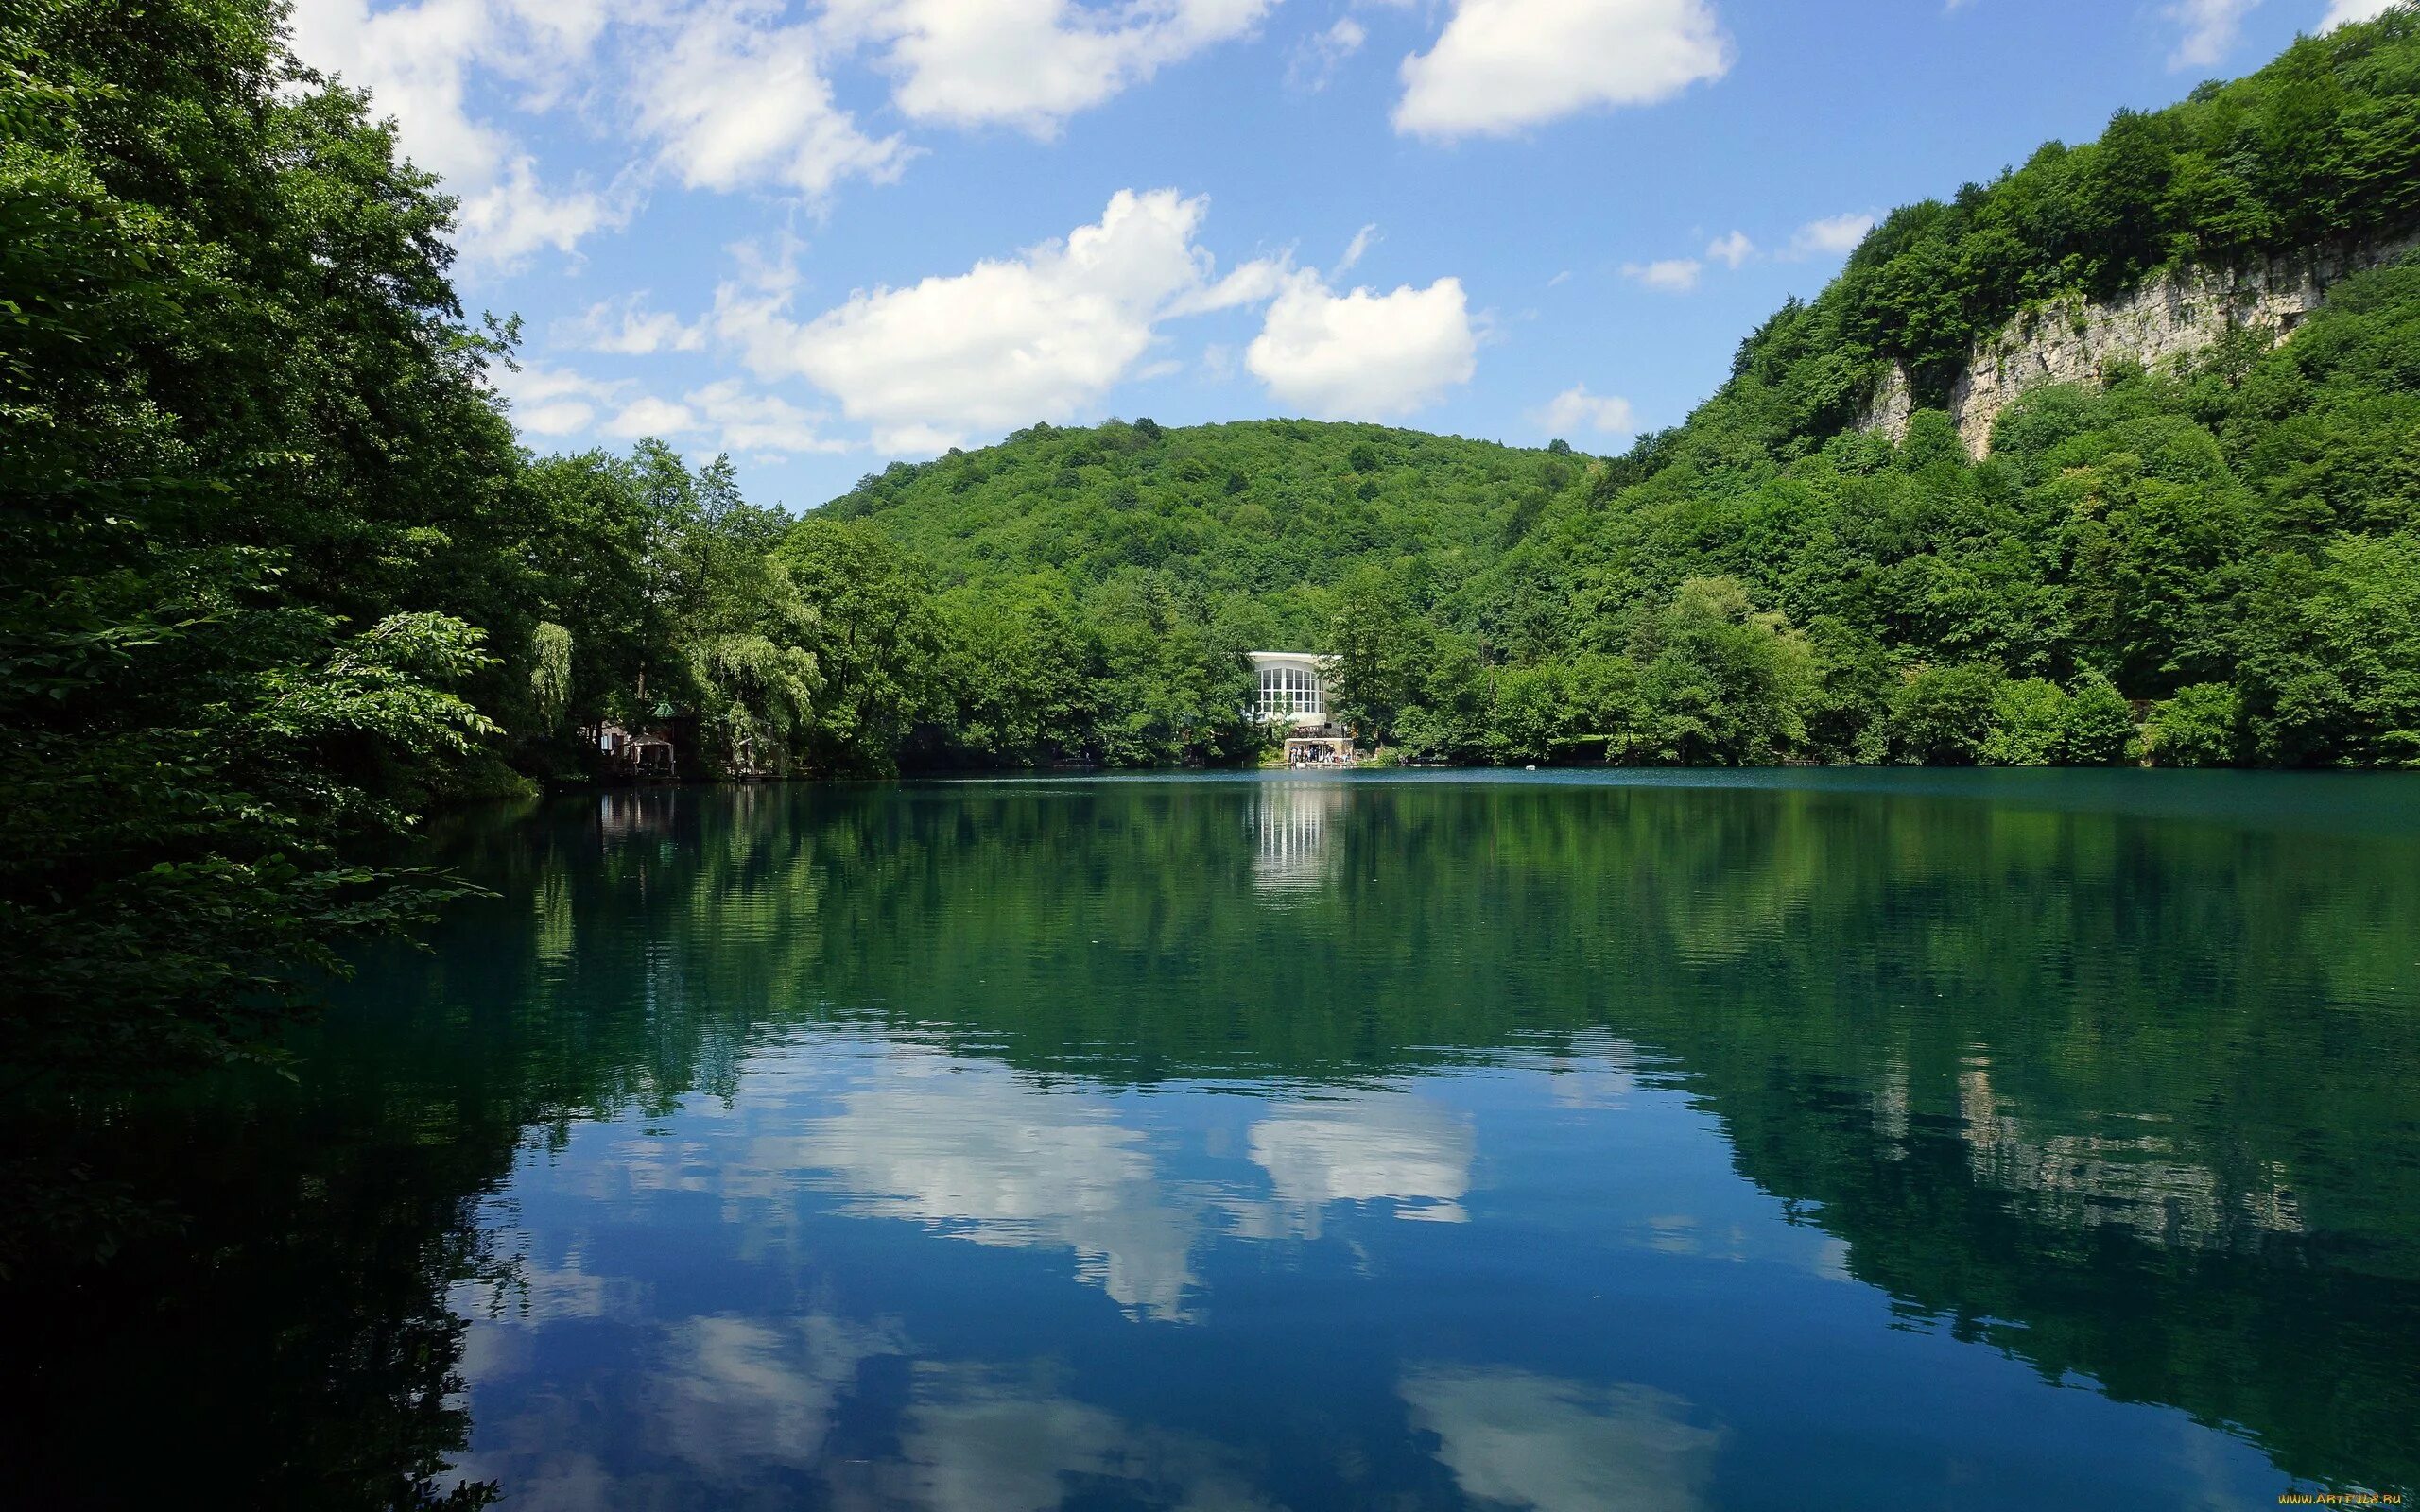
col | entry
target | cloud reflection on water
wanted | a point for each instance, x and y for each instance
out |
(1521, 1439)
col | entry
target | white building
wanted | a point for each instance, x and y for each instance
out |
(1294, 691)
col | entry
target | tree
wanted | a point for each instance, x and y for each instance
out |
(1379, 648)
(2030, 719)
(878, 643)
(2201, 726)
(252, 530)
(1943, 715)
(2099, 723)
(1724, 684)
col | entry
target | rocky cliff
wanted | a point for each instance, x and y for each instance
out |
(2075, 341)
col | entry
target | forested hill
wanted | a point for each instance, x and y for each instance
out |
(1272, 511)
(1250, 508)
(2208, 559)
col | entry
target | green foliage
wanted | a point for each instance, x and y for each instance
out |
(2030, 717)
(236, 401)
(2335, 680)
(2202, 725)
(1379, 648)
(1723, 684)
(2099, 724)
(1944, 715)
(551, 672)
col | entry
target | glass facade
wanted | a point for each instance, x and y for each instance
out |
(1290, 691)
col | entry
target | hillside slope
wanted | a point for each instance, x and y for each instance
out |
(1275, 513)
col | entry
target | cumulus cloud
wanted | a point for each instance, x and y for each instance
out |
(760, 424)
(417, 60)
(649, 416)
(1502, 65)
(1040, 335)
(553, 401)
(628, 327)
(1029, 63)
(718, 94)
(1832, 236)
(1673, 275)
(1362, 354)
(1577, 409)
(2206, 29)
(558, 403)
(1731, 250)
(732, 103)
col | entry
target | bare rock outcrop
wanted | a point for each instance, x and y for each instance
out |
(2075, 341)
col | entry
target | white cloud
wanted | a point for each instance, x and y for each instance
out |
(1359, 247)
(1364, 355)
(2207, 28)
(1832, 236)
(552, 401)
(732, 104)
(2345, 12)
(1029, 63)
(724, 96)
(1040, 335)
(757, 423)
(1673, 275)
(555, 402)
(651, 416)
(417, 62)
(1501, 65)
(1731, 250)
(1577, 409)
(628, 327)
(505, 222)
(1316, 61)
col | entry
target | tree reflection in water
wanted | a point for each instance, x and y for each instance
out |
(2108, 1074)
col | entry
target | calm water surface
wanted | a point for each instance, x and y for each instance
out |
(1862, 1140)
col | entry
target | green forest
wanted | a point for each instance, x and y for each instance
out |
(276, 576)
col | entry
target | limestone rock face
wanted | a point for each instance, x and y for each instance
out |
(2075, 341)
(1891, 407)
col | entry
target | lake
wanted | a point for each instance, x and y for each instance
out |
(1850, 1140)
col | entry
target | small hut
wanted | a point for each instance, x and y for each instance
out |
(647, 754)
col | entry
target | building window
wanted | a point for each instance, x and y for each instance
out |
(1290, 691)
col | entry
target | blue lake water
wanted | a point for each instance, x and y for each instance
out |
(1835, 1141)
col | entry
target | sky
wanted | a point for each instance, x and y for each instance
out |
(823, 235)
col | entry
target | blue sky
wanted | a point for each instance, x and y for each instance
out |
(821, 236)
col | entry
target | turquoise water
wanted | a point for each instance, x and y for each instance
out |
(1855, 1141)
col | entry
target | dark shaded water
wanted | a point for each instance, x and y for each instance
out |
(1839, 1141)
